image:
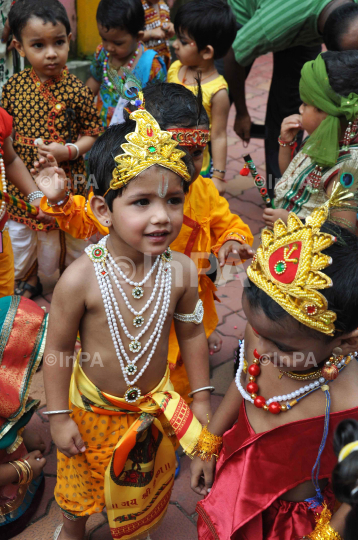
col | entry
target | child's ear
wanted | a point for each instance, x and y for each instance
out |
(140, 35)
(69, 37)
(101, 211)
(18, 46)
(207, 53)
(350, 342)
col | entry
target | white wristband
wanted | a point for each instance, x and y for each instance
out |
(77, 150)
(211, 388)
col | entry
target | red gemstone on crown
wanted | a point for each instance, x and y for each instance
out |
(311, 310)
(149, 131)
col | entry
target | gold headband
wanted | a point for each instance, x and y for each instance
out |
(288, 267)
(148, 145)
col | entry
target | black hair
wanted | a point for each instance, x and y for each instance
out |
(208, 22)
(342, 297)
(337, 25)
(102, 164)
(49, 11)
(342, 70)
(173, 105)
(345, 475)
(125, 14)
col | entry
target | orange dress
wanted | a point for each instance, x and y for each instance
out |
(208, 223)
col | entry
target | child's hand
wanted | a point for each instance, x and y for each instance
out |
(244, 251)
(36, 461)
(66, 436)
(270, 215)
(168, 28)
(290, 127)
(59, 151)
(202, 475)
(157, 33)
(220, 185)
(50, 178)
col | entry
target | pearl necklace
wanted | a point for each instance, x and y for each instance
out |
(272, 404)
(3, 187)
(99, 257)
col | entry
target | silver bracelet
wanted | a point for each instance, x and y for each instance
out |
(219, 170)
(196, 317)
(58, 412)
(59, 203)
(34, 195)
(77, 150)
(211, 388)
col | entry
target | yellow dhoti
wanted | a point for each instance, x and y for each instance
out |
(129, 463)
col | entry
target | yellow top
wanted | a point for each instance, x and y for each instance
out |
(209, 89)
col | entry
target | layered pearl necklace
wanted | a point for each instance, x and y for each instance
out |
(3, 187)
(104, 265)
(282, 403)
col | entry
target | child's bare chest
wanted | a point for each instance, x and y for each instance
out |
(127, 330)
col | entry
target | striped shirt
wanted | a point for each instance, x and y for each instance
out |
(274, 25)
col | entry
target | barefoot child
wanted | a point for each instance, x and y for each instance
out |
(52, 111)
(208, 223)
(110, 423)
(121, 25)
(329, 92)
(23, 327)
(205, 30)
(275, 468)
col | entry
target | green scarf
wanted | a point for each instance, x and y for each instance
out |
(323, 145)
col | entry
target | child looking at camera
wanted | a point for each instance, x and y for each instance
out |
(52, 111)
(121, 27)
(205, 30)
(113, 440)
(329, 92)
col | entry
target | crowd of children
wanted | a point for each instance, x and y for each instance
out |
(142, 298)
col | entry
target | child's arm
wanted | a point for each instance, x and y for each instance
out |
(289, 129)
(347, 217)
(220, 111)
(223, 419)
(20, 177)
(153, 33)
(270, 215)
(74, 215)
(93, 85)
(67, 309)
(193, 343)
(8, 474)
(67, 153)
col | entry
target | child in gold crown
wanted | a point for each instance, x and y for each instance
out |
(112, 420)
(295, 381)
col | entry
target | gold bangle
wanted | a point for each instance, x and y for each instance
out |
(208, 445)
(24, 472)
(30, 470)
(323, 529)
(16, 469)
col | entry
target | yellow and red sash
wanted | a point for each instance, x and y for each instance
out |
(136, 508)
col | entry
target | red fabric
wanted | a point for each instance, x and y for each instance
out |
(254, 470)
(5, 127)
(290, 255)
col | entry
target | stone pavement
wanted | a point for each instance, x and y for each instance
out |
(244, 199)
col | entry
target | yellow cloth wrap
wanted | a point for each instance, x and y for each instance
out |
(129, 463)
(7, 269)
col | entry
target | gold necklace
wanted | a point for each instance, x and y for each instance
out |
(329, 367)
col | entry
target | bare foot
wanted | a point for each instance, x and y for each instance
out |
(214, 342)
(33, 441)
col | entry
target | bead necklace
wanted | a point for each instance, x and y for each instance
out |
(138, 290)
(328, 371)
(273, 404)
(3, 187)
(99, 255)
(128, 66)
